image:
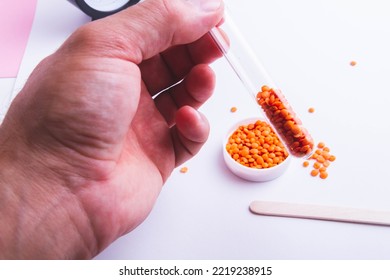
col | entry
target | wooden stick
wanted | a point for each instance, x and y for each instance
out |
(321, 212)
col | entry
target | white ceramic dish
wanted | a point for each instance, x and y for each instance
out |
(248, 173)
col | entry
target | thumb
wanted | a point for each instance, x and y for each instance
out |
(151, 27)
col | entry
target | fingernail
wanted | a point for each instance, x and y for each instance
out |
(207, 5)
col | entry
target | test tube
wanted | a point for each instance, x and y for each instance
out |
(260, 86)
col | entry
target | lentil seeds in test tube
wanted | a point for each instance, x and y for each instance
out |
(270, 99)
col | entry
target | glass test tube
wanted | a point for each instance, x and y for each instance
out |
(258, 83)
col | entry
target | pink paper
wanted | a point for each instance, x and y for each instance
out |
(16, 18)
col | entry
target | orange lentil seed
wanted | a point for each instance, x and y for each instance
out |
(323, 175)
(321, 145)
(306, 163)
(260, 150)
(326, 149)
(184, 169)
(317, 165)
(353, 63)
(311, 110)
(233, 109)
(314, 172)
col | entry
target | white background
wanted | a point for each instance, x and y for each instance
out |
(306, 47)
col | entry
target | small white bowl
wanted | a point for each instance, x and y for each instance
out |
(248, 173)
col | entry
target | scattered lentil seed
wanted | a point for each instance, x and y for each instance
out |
(184, 169)
(314, 172)
(311, 110)
(353, 63)
(317, 165)
(233, 109)
(323, 175)
(321, 145)
(250, 146)
(306, 163)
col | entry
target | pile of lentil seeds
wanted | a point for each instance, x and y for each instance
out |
(256, 145)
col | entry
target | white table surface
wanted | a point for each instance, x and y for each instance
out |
(306, 46)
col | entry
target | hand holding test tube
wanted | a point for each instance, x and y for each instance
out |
(252, 74)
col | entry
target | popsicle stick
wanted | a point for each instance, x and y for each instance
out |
(321, 212)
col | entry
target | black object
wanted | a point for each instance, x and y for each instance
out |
(95, 13)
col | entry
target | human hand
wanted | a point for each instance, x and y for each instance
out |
(91, 141)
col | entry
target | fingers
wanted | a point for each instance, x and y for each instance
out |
(171, 66)
(190, 133)
(149, 28)
(161, 24)
(195, 89)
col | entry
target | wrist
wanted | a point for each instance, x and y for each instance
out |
(40, 217)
